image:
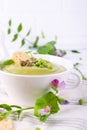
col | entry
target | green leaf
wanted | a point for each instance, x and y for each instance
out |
(42, 50)
(43, 118)
(28, 33)
(9, 31)
(61, 100)
(75, 51)
(36, 42)
(15, 37)
(7, 62)
(22, 42)
(19, 29)
(48, 99)
(48, 48)
(51, 43)
(6, 107)
(15, 106)
(5, 115)
(19, 113)
(10, 22)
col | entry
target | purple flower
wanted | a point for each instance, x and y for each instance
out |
(55, 82)
(41, 112)
(57, 85)
(66, 102)
(62, 85)
(60, 53)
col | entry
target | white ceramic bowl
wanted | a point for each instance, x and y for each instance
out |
(24, 89)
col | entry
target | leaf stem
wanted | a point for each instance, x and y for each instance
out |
(28, 108)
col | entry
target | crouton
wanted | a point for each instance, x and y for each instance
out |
(19, 56)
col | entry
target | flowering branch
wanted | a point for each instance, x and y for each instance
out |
(45, 105)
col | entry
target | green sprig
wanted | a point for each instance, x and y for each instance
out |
(76, 67)
(17, 33)
(9, 109)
